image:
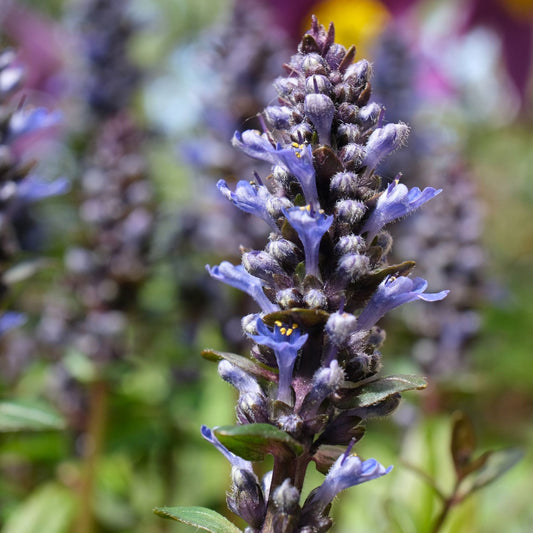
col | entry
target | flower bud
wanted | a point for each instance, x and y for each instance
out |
(335, 55)
(314, 64)
(353, 266)
(352, 155)
(348, 133)
(286, 498)
(278, 116)
(289, 298)
(350, 211)
(262, 265)
(383, 142)
(301, 133)
(276, 204)
(242, 381)
(318, 84)
(284, 251)
(248, 324)
(344, 184)
(286, 86)
(291, 423)
(347, 112)
(325, 382)
(347, 244)
(368, 115)
(320, 110)
(252, 409)
(358, 74)
(339, 327)
(315, 299)
(246, 499)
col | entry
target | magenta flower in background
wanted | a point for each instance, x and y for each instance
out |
(41, 45)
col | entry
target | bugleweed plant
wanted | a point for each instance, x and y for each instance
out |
(321, 284)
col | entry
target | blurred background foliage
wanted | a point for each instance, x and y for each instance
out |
(133, 441)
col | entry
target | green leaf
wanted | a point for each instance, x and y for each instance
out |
(199, 517)
(379, 390)
(16, 416)
(497, 463)
(50, 507)
(463, 443)
(250, 367)
(253, 441)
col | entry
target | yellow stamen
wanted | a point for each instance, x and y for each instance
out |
(283, 331)
(278, 323)
(294, 326)
(289, 332)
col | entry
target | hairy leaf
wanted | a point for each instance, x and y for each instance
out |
(253, 441)
(199, 517)
(250, 367)
(379, 390)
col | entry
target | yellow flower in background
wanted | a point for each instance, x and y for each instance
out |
(356, 21)
(519, 8)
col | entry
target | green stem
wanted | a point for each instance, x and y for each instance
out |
(94, 438)
(446, 508)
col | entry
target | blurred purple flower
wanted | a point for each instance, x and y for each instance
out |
(9, 320)
(27, 121)
(32, 188)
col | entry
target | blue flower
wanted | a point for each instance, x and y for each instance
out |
(397, 201)
(296, 160)
(249, 197)
(347, 471)
(235, 460)
(10, 320)
(393, 292)
(310, 226)
(237, 277)
(286, 342)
